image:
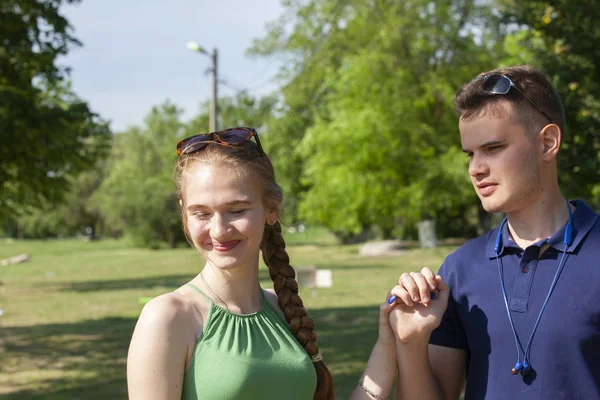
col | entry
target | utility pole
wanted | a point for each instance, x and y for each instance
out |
(214, 105)
(214, 99)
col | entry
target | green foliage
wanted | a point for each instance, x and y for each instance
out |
(76, 215)
(282, 142)
(362, 134)
(133, 191)
(138, 194)
(368, 135)
(239, 110)
(46, 133)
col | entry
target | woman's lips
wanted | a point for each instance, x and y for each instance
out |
(225, 246)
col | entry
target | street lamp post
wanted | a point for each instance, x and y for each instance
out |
(214, 107)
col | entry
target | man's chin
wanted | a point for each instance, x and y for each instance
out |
(491, 206)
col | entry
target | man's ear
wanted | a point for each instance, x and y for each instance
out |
(551, 137)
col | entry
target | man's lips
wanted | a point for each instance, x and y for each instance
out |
(225, 246)
(486, 188)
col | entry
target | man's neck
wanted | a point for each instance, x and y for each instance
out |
(539, 220)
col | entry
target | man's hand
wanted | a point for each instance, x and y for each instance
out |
(416, 314)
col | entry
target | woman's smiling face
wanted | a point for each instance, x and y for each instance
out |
(225, 214)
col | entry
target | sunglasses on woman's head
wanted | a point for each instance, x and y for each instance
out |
(227, 137)
(501, 84)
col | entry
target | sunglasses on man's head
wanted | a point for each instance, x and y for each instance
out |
(228, 137)
(500, 84)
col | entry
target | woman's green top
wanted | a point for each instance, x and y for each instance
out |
(251, 356)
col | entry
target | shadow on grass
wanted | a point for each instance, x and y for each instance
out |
(87, 360)
(309, 243)
(84, 360)
(346, 337)
(173, 281)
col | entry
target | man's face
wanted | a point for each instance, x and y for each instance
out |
(505, 163)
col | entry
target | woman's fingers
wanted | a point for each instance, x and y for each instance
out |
(399, 294)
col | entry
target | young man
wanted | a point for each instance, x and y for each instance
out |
(516, 314)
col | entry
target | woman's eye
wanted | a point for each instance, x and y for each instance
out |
(237, 212)
(201, 216)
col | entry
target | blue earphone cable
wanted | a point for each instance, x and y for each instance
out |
(561, 265)
(568, 240)
(512, 325)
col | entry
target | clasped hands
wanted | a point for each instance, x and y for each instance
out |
(413, 308)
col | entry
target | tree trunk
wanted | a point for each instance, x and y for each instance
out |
(19, 231)
(388, 233)
(170, 239)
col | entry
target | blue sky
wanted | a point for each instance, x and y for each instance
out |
(134, 53)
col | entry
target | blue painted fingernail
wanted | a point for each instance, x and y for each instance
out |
(392, 299)
(432, 295)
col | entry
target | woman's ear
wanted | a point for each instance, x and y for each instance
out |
(271, 217)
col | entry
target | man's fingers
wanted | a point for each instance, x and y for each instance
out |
(409, 284)
(430, 278)
(441, 285)
(422, 286)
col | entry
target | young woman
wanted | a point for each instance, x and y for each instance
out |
(221, 336)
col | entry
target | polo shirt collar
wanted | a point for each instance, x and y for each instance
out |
(584, 219)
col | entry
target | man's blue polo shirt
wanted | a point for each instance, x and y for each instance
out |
(565, 352)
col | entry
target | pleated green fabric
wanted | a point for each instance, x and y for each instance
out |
(251, 356)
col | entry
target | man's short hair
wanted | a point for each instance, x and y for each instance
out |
(472, 101)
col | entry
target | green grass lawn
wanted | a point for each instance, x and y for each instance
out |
(70, 311)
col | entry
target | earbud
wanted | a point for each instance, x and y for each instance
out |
(525, 370)
(517, 368)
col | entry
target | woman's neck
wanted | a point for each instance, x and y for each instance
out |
(237, 290)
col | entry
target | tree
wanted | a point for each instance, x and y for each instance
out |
(239, 110)
(371, 89)
(46, 132)
(302, 37)
(75, 215)
(138, 194)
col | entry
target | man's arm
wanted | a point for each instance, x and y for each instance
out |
(430, 372)
(449, 366)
